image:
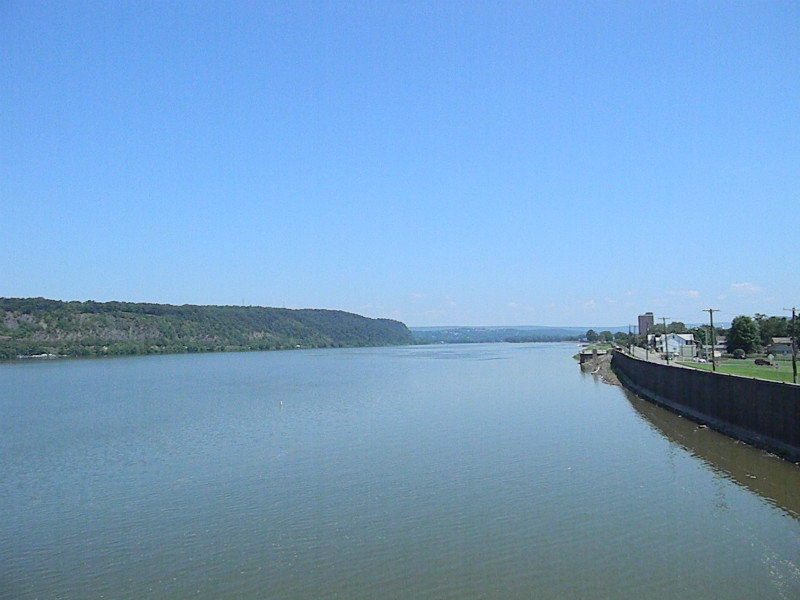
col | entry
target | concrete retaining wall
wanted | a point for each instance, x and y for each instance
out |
(762, 413)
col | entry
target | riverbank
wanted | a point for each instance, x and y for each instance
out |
(600, 365)
(765, 414)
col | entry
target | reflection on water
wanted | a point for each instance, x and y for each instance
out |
(774, 479)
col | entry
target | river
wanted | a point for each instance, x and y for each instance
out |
(452, 471)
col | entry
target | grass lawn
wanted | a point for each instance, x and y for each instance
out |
(747, 368)
(600, 346)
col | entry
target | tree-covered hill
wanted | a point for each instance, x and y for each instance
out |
(35, 326)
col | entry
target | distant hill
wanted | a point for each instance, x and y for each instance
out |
(470, 335)
(36, 326)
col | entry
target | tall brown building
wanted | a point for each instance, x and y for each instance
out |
(646, 322)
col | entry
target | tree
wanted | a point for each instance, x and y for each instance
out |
(677, 327)
(743, 335)
(772, 327)
(700, 335)
(591, 336)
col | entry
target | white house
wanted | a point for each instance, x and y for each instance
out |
(677, 344)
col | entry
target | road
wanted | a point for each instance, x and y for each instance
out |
(651, 356)
(655, 357)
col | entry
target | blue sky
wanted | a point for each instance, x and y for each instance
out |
(445, 163)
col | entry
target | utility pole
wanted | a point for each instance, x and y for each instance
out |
(794, 343)
(666, 347)
(711, 312)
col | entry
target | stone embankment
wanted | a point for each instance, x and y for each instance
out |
(599, 364)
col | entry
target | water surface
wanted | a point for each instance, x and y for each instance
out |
(480, 471)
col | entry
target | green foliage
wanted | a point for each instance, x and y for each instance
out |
(591, 336)
(772, 327)
(673, 327)
(701, 335)
(30, 326)
(677, 327)
(743, 335)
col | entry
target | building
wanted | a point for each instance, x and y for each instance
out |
(677, 344)
(646, 322)
(780, 345)
(682, 344)
(720, 348)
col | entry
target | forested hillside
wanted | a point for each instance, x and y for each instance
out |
(35, 326)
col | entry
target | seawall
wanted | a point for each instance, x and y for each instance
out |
(763, 413)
